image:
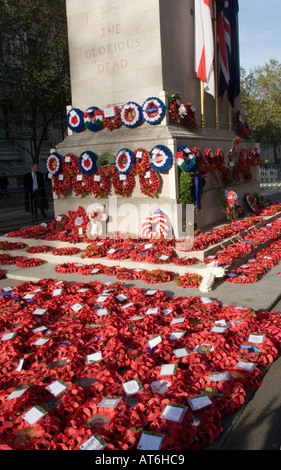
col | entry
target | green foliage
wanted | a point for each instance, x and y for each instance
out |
(261, 101)
(34, 57)
(187, 188)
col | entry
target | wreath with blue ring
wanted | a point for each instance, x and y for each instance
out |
(54, 163)
(131, 114)
(124, 161)
(88, 163)
(161, 158)
(93, 118)
(75, 120)
(153, 110)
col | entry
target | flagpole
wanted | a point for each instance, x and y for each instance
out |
(216, 66)
(229, 116)
(202, 97)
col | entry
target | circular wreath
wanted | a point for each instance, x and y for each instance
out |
(93, 119)
(115, 122)
(75, 120)
(149, 182)
(153, 110)
(100, 183)
(142, 160)
(88, 163)
(161, 158)
(123, 187)
(54, 163)
(186, 159)
(131, 114)
(251, 203)
(124, 161)
(61, 184)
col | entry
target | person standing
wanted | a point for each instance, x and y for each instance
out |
(35, 193)
(4, 182)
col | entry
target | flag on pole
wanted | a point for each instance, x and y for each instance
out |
(204, 45)
(234, 82)
(223, 45)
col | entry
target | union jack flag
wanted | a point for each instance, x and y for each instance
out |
(224, 45)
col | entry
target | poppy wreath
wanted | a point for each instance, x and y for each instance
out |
(54, 163)
(157, 276)
(153, 110)
(242, 128)
(186, 159)
(29, 262)
(242, 166)
(75, 120)
(189, 280)
(100, 183)
(70, 165)
(141, 161)
(5, 245)
(58, 223)
(8, 259)
(39, 249)
(189, 118)
(124, 161)
(93, 119)
(78, 221)
(221, 166)
(67, 251)
(251, 203)
(202, 164)
(150, 182)
(161, 158)
(88, 163)
(123, 184)
(131, 114)
(254, 157)
(81, 184)
(115, 123)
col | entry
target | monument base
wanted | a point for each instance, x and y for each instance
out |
(127, 214)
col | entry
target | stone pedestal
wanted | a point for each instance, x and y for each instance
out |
(126, 50)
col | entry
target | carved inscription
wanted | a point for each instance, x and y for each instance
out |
(112, 56)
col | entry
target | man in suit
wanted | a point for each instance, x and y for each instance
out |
(35, 194)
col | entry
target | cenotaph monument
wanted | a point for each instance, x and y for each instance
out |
(127, 59)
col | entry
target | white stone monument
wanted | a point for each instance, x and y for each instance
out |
(128, 51)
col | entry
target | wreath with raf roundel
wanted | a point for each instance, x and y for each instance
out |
(93, 119)
(131, 114)
(153, 110)
(124, 161)
(75, 120)
(88, 163)
(161, 158)
(54, 163)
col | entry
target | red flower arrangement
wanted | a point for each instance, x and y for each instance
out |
(78, 221)
(6, 245)
(127, 354)
(67, 251)
(29, 262)
(39, 249)
(189, 280)
(157, 276)
(100, 182)
(123, 187)
(142, 161)
(149, 182)
(115, 123)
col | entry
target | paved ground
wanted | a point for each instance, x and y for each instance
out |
(255, 426)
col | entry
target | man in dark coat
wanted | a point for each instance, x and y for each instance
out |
(35, 193)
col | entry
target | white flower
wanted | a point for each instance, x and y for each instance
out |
(182, 110)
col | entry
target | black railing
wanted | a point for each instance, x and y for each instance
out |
(17, 209)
